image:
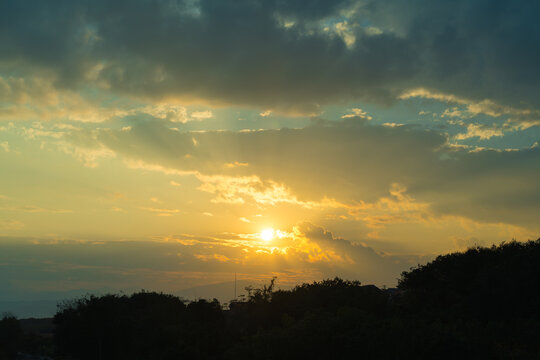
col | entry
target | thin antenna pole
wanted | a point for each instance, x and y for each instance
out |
(235, 285)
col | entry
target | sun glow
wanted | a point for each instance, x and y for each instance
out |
(267, 234)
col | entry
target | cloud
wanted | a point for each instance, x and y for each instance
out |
(217, 257)
(133, 68)
(474, 108)
(472, 57)
(35, 209)
(236, 190)
(161, 211)
(307, 252)
(4, 145)
(10, 224)
(201, 115)
(357, 112)
(342, 165)
(480, 131)
(235, 164)
(279, 55)
(90, 156)
(348, 259)
(171, 112)
(35, 97)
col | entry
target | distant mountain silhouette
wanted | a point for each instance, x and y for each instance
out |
(224, 292)
(25, 303)
(43, 304)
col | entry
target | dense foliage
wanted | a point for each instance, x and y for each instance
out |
(142, 326)
(10, 337)
(483, 303)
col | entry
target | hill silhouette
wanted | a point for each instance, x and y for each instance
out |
(482, 303)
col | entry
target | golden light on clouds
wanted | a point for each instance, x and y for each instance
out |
(267, 234)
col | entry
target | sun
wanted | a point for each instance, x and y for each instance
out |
(267, 234)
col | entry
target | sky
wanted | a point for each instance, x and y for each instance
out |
(169, 144)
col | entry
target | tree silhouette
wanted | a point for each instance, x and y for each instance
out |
(10, 337)
(481, 303)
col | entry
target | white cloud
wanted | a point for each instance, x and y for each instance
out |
(480, 131)
(171, 112)
(343, 29)
(486, 107)
(201, 115)
(357, 112)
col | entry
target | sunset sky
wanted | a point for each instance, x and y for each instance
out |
(170, 144)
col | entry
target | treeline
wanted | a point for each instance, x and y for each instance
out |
(483, 303)
(24, 336)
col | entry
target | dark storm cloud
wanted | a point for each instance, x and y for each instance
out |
(478, 49)
(241, 52)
